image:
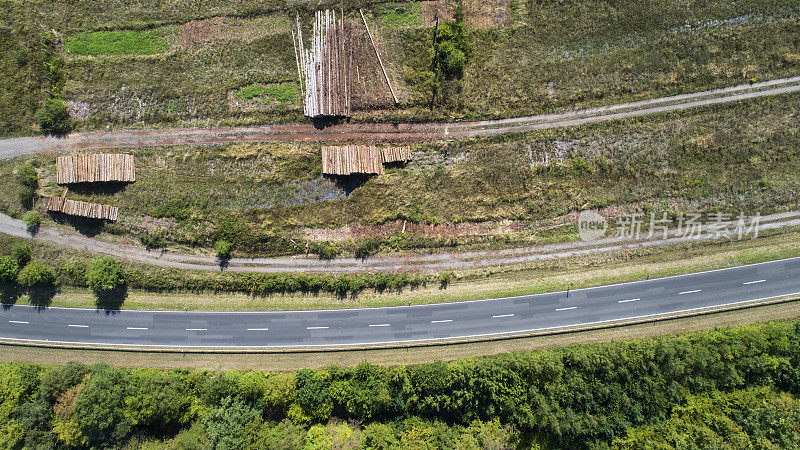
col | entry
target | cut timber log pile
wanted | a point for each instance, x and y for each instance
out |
(95, 168)
(325, 69)
(82, 209)
(350, 159)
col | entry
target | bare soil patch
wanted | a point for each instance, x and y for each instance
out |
(199, 33)
(486, 13)
(430, 10)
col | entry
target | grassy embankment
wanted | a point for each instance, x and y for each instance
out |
(269, 199)
(546, 56)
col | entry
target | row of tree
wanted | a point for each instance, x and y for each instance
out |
(624, 394)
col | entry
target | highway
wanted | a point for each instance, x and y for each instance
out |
(402, 325)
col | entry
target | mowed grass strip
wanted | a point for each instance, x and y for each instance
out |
(149, 42)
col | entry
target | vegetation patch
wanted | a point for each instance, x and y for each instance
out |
(126, 42)
(721, 388)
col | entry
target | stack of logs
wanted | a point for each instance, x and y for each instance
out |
(352, 159)
(325, 69)
(83, 209)
(94, 168)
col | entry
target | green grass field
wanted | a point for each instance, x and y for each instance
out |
(118, 43)
(545, 56)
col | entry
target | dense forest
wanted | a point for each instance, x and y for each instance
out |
(735, 387)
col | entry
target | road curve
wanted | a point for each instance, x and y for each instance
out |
(384, 132)
(405, 325)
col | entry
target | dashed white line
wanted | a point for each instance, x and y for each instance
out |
(500, 316)
(629, 300)
(566, 309)
(690, 292)
(137, 328)
(317, 328)
(258, 329)
(197, 329)
(441, 321)
(19, 322)
(753, 282)
(380, 325)
(78, 326)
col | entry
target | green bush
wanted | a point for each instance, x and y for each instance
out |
(223, 249)
(153, 240)
(32, 220)
(53, 117)
(21, 253)
(36, 275)
(367, 247)
(104, 275)
(8, 270)
(326, 250)
(27, 176)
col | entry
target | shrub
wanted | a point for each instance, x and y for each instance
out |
(152, 240)
(104, 275)
(53, 117)
(367, 247)
(22, 253)
(32, 220)
(326, 250)
(36, 275)
(27, 176)
(223, 249)
(8, 270)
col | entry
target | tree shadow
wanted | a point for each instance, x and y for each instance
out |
(84, 225)
(223, 262)
(9, 294)
(111, 301)
(349, 183)
(41, 297)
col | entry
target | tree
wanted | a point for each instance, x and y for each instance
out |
(104, 275)
(223, 249)
(36, 275)
(22, 253)
(99, 410)
(32, 220)
(225, 425)
(8, 270)
(53, 117)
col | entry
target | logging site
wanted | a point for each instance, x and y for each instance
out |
(399, 224)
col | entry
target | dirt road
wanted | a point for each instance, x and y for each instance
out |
(411, 262)
(382, 132)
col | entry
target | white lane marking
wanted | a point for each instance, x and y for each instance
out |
(690, 292)
(19, 322)
(197, 329)
(753, 282)
(137, 328)
(258, 329)
(78, 326)
(566, 309)
(441, 321)
(629, 300)
(502, 315)
(317, 328)
(617, 321)
(380, 325)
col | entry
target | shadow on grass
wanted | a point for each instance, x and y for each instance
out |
(41, 297)
(9, 294)
(349, 183)
(111, 301)
(105, 188)
(85, 226)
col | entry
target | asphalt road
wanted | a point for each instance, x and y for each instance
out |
(403, 325)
